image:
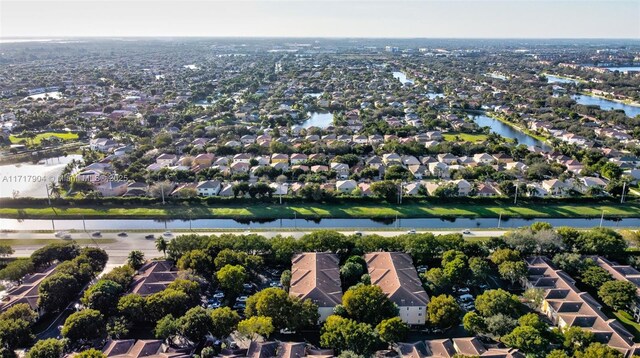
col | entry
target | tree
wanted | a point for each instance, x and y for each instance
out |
(386, 189)
(123, 275)
(97, 257)
(231, 279)
(526, 338)
(161, 245)
(557, 353)
(191, 288)
(617, 294)
(91, 353)
(224, 321)
(351, 273)
(15, 333)
(359, 300)
(456, 271)
(595, 276)
(492, 302)
(5, 250)
(499, 324)
(436, 280)
(443, 311)
(284, 310)
(502, 255)
(84, 325)
(133, 307)
(135, 259)
(512, 271)
(422, 247)
(598, 350)
(198, 261)
(533, 320)
(57, 291)
(47, 348)
(479, 269)
(285, 279)
(342, 334)
(576, 338)
(20, 311)
(17, 269)
(256, 326)
(48, 254)
(326, 240)
(195, 324)
(166, 327)
(473, 322)
(118, 327)
(103, 296)
(165, 302)
(392, 330)
(534, 297)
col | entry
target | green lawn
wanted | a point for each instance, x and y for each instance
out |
(38, 138)
(366, 210)
(627, 320)
(466, 137)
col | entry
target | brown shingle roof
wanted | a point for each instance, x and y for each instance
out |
(316, 276)
(397, 277)
(153, 277)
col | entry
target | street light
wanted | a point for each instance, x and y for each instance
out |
(602, 218)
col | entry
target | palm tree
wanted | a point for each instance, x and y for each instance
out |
(55, 190)
(161, 245)
(135, 259)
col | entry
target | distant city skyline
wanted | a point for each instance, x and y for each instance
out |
(323, 18)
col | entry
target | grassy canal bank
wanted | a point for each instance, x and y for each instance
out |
(330, 210)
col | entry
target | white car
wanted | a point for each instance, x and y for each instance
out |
(411, 231)
(467, 232)
(167, 233)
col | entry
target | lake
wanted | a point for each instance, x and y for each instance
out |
(29, 179)
(624, 69)
(556, 79)
(349, 224)
(54, 95)
(318, 119)
(507, 131)
(402, 77)
(606, 104)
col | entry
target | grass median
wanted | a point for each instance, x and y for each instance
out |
(313, 210)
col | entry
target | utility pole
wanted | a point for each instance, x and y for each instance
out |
(601, 218)
(624, 187)
(499, 220)
(162, 189)
(515, 198)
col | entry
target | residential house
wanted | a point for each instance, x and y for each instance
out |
(346, 186)
(439, 169)
(279, 158)
(395, 274)
(103, 144)
(209, 187)
(341, 169)
(464, 187)
(166, 160)
(316, 276)
(112, 188)
(151, 348)
(153, 277)
(566, 306)
(27, 292)
(623, 273)
(298, 158)
(555, 187)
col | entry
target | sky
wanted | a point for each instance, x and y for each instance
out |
(323, 18)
